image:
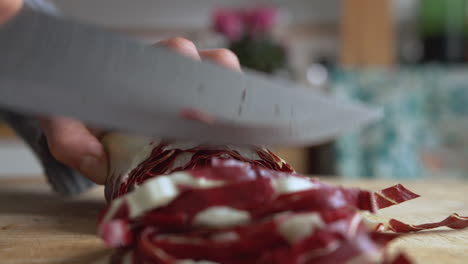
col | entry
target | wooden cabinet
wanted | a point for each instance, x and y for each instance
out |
(6, 133)
(367, 33)
(298, 158)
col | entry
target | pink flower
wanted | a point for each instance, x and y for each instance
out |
(229, 23)
(260, 20)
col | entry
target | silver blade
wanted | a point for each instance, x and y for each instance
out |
(53, 66)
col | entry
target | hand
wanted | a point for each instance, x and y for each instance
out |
(74, 143)
(8, 9)
(78, 146)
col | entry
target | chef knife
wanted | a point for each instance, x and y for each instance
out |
(58, 66)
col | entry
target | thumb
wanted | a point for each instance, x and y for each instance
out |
(8, 9)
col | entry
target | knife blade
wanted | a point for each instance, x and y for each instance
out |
(59, 66)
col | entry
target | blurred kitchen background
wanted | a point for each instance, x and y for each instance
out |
(407, 56)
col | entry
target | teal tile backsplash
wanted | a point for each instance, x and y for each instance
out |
(425, 128)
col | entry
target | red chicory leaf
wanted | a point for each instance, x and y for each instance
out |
(454, 221)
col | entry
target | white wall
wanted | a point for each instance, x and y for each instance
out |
(185, 13)
(17, 160)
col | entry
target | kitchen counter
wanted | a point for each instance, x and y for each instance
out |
(37, 226)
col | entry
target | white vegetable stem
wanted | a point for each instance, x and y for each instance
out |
(125, 153)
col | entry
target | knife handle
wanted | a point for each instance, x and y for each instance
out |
(63, 179)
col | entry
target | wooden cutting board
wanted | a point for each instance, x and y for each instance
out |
(37, 226)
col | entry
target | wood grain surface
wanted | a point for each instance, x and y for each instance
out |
(37, 226)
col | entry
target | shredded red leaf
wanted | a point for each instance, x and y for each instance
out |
(454, 221)
(116, 233)
(400, 259)
(393, 195)
(286, 218)
(163, 157)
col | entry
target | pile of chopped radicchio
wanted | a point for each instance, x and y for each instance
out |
(187, 203)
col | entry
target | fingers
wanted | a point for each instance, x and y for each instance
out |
(224, 57)
(186, 47)
(72, 143)
(182, 46)
(8, 8)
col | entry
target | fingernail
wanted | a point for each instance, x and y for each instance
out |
(94, 169)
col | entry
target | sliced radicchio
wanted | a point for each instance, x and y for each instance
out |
(187, 203)
(453, 221)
